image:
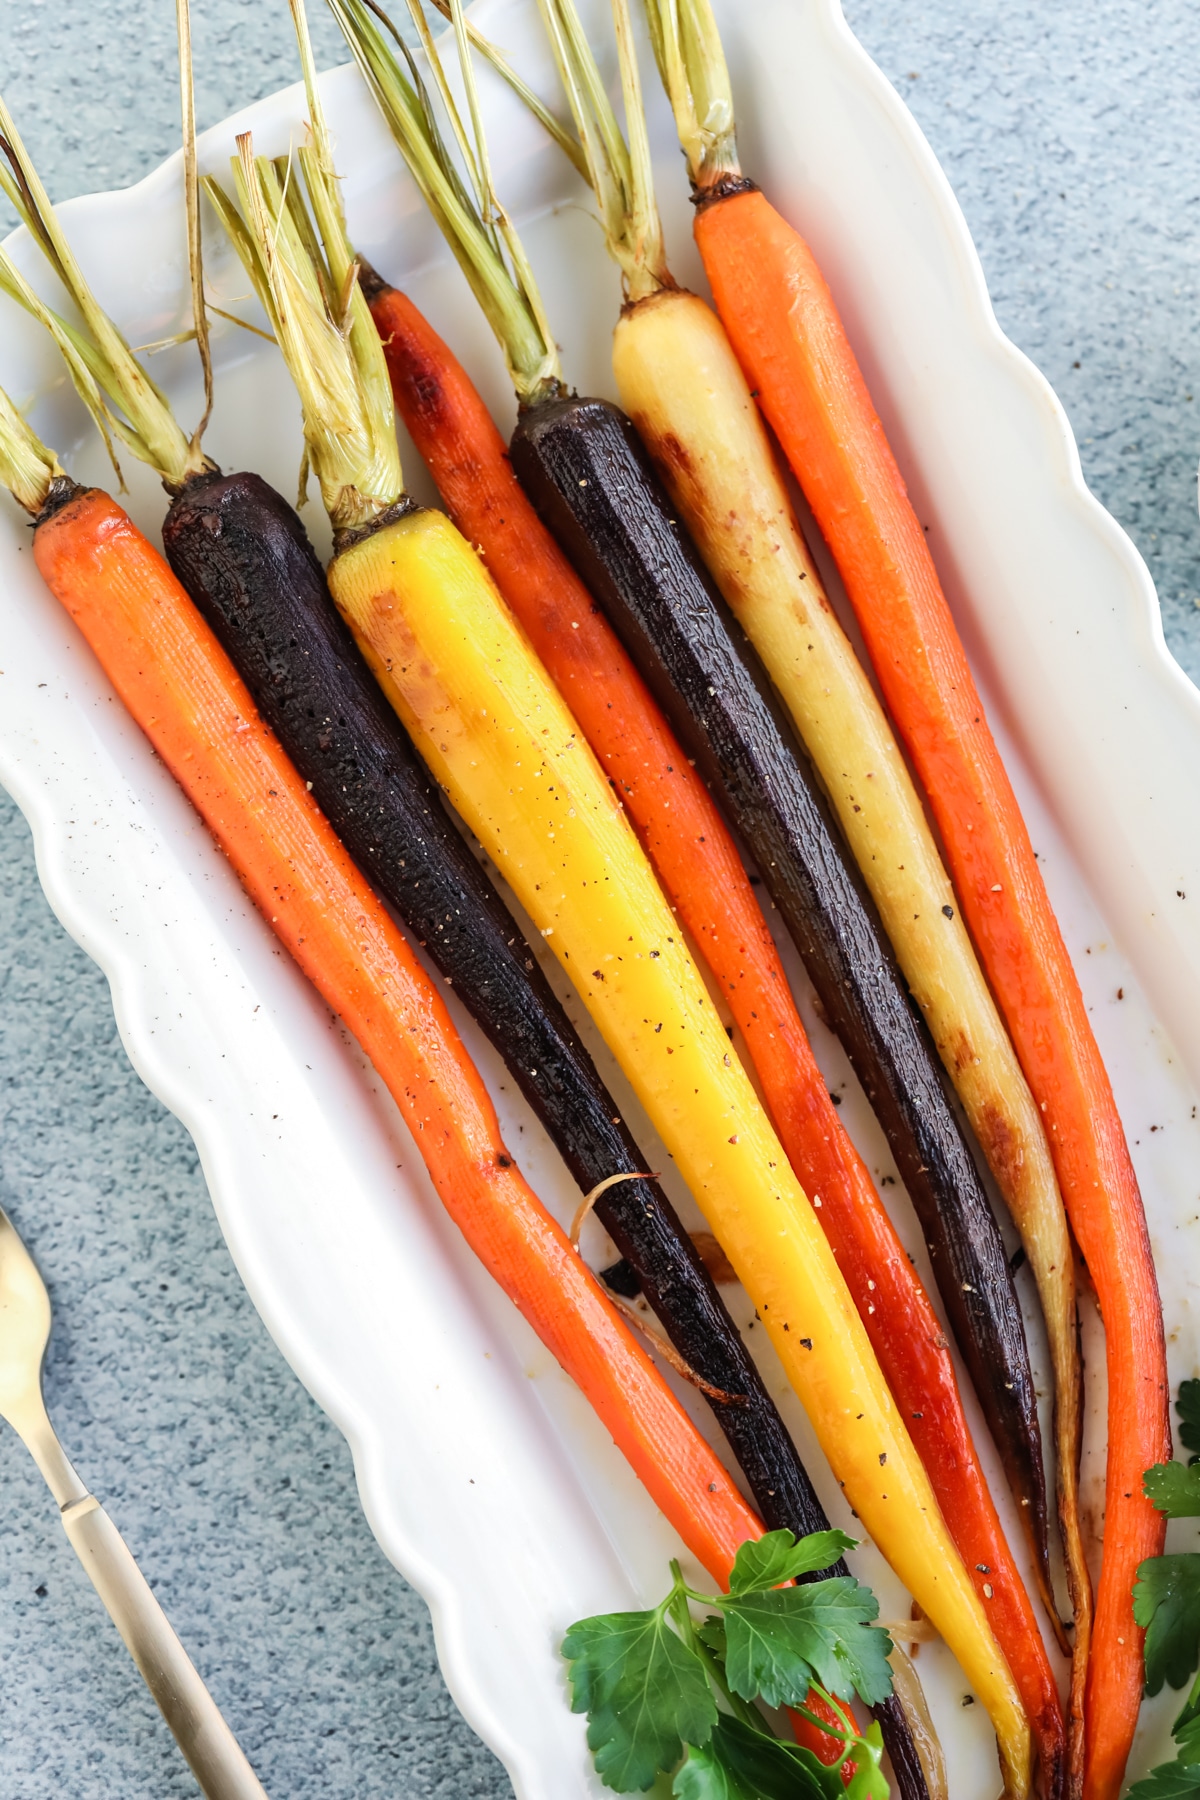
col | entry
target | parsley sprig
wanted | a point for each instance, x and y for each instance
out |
(1166, 1600)
(666, 1692)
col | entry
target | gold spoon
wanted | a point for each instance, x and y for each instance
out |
(185, 1703)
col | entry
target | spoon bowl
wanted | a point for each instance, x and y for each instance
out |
(24, 1325)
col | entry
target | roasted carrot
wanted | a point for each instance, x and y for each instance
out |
(181, 689)
(590, 481)
(244, 558)
(833, 439)
(682, 386)
(409, 585)
(703, 876)
(499, 739)
(789, 338)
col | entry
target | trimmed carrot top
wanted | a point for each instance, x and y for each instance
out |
(122, 398)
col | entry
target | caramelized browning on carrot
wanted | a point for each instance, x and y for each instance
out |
(180, 687)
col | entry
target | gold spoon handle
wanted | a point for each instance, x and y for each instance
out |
(215, 1755)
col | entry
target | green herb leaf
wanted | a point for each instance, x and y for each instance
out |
(781, 1641)
(1179, 1780)
(1188, 1721)
(1188, 1739)
(1166, 1600)
(650, 1681)
(645, 1692)
(1169, 1781)
(778, 1557)
(869, 1781)
(1187, 1405)
(1174, 1488)
(738, 1763)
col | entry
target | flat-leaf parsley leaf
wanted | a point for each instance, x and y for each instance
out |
(656, 1683)
(768, 1561)
(780, 1640)
(1166, 1600)
(1179, 1780)
(1170, 1781)
(739, 1763)
(1174, 1488)
(644, 1691)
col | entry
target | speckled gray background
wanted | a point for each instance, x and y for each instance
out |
(1072, 137)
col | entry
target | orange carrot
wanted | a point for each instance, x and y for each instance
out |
(785, 328)
(704, 878)
(182, 690)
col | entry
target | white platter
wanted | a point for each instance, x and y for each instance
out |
(483, 1475)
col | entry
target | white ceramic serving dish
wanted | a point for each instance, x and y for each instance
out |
(482, 1472)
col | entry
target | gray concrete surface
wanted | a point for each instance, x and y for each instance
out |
(1072, 136)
